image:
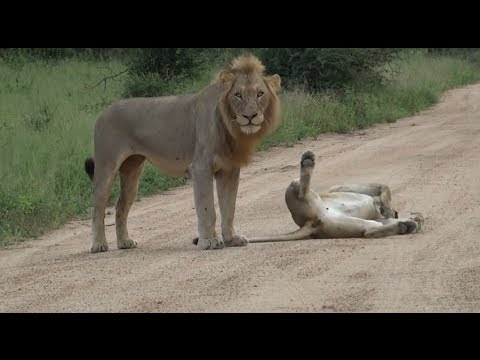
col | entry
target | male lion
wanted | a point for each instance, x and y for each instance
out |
(346, 211)
(206, 135)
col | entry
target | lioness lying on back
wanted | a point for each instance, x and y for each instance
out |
(346, 211)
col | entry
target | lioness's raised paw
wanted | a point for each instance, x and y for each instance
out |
(237, 240)
(210, 244)
(308, 159)
(99, 247)
(127, 244)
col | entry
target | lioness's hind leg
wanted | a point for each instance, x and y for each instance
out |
(130, 173)
(380, 192)
(394, 227)
(418, 218)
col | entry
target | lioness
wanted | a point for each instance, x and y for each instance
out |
(205, 136)
(346, 211)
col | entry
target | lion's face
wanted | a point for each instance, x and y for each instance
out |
(250, 99)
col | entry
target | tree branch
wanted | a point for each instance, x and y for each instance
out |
(104, 80)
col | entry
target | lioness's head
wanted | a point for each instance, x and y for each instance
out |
(249, 104)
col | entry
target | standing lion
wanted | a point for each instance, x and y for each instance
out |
(205, 136)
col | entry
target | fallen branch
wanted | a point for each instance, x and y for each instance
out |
(104, 80)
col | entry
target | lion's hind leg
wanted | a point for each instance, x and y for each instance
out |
(130, 173)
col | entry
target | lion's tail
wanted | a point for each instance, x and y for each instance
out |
(90, 168)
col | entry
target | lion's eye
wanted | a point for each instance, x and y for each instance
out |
(260, 94)
(238, 95)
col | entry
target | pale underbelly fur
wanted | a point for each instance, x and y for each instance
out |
(349, 204)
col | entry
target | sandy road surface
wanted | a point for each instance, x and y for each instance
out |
(431, 162)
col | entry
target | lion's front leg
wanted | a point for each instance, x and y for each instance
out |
(205, 208)
(227, 187)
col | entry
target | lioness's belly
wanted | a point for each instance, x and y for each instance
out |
(350, 204)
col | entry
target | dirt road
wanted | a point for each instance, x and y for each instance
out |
(431, 162)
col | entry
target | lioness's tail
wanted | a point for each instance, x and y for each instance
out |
(303, 233)
(90, 167)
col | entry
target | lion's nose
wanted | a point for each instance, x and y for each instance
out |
(250, 117)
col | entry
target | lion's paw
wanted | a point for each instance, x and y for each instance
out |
(127, 244)
(237, 240)
(210, 244)
(99, 247)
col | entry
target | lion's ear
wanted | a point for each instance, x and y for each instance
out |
(226, 78)
(274, 81)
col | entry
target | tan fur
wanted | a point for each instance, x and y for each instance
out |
(239, 146)
(207, 135)
(346, 211)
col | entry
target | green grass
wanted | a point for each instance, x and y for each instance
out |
(418, 85)
(47, 116)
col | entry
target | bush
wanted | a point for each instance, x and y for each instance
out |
(452, 51)
(172, 62)
(472, 55)
(145, 85)
(317, 69)
(153, 71)
(65, 53)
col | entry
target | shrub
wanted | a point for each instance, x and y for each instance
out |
(317, 69)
